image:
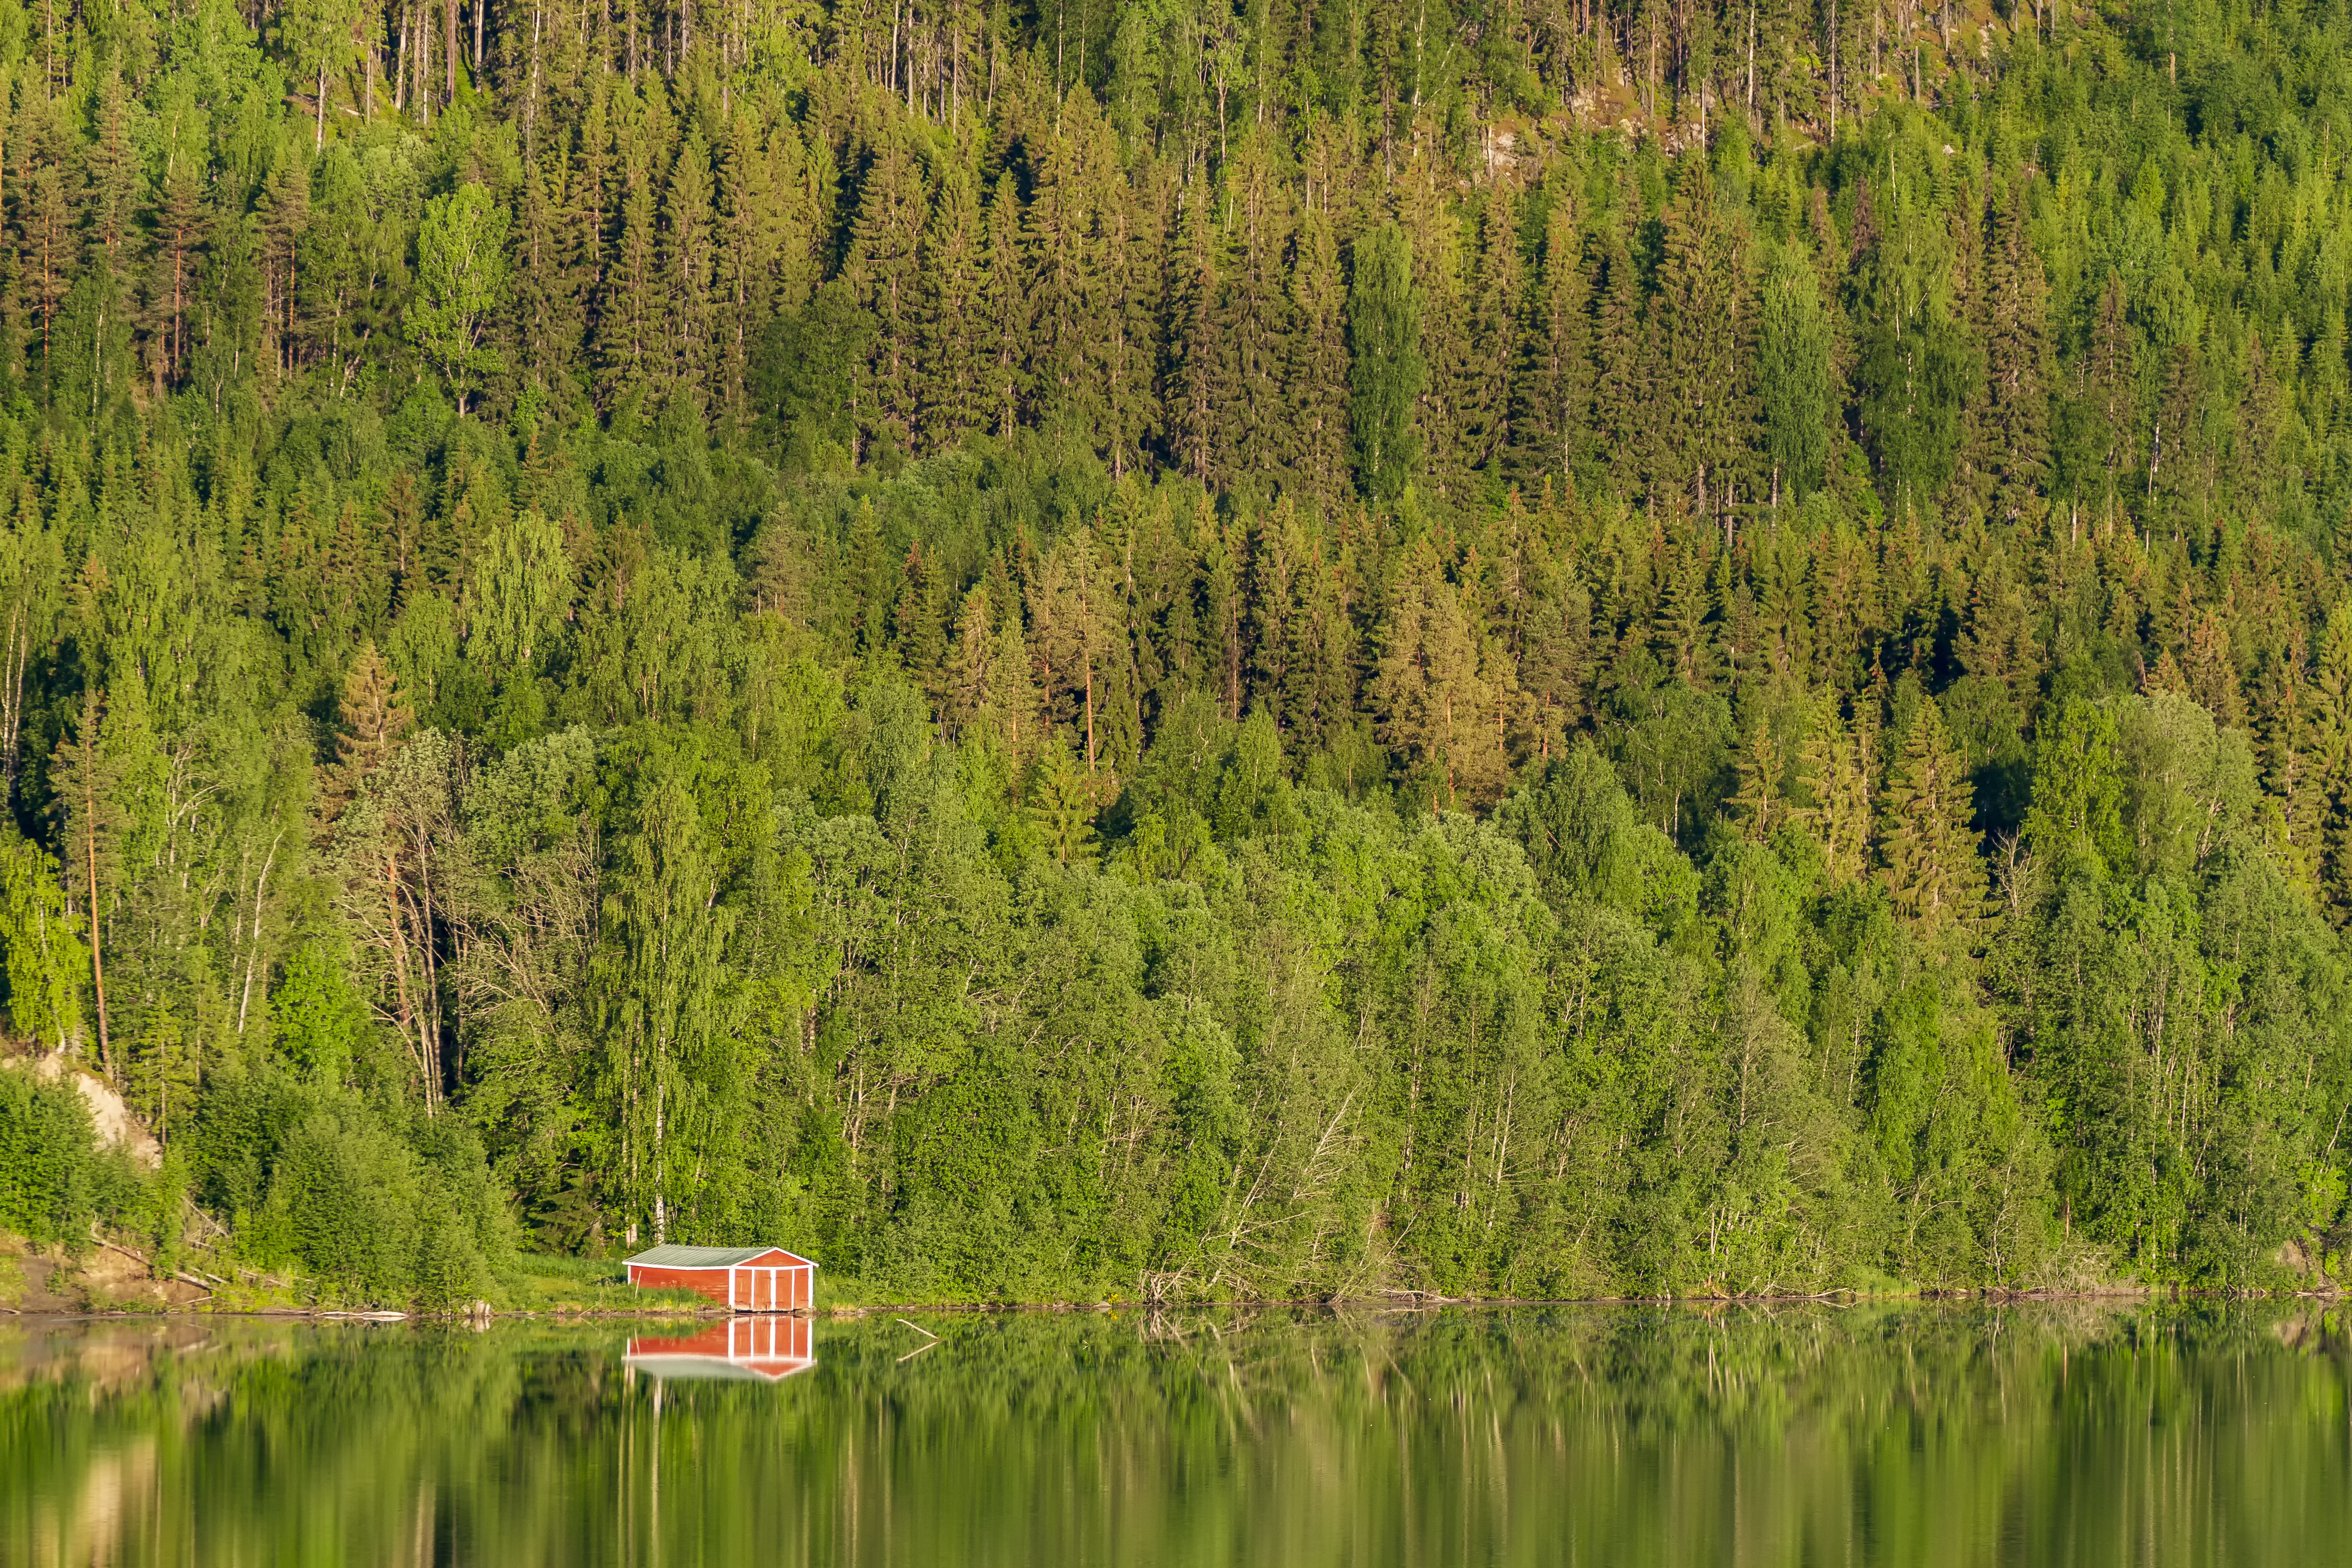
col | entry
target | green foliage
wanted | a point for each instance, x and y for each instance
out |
(1384, 345)
(54, 1179)
(1795, 376)
(45, 962)
(1070, 675)
(461, 281)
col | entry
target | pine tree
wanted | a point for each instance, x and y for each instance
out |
(111, 181)
(1075, 639)
(1927, 848)
(372, 719)
(284, 210)
(179, 228)
(43, 217)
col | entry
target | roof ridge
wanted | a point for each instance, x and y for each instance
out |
(681, 1256)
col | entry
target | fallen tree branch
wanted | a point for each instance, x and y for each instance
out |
(206, 1285)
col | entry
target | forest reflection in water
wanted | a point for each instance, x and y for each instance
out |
(2077, 1433)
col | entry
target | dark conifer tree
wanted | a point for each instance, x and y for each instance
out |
(1495, 303)
(1315, 381)
(2018, 371)
(1191, 386)
(882, 266)
(1252, 330)
(951, 334)
(1551, 390)
(1386, 368)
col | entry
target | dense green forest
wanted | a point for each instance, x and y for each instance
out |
(1184, 649)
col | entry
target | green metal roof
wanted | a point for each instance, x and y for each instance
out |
(702, 1256)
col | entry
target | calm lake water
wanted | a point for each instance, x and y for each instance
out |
(2073, 1434)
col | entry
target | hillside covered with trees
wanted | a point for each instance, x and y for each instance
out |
(1183, 651)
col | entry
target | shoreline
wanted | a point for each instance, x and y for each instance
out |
(1401, 1302)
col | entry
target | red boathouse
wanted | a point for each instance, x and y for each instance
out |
(748, 1278)
(772, 1348)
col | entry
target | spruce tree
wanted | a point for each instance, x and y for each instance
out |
(1927, 847)
(1495, 304)
(1252, 332)
(1134, 257)
(1837, 763)
(1444, 411)
(1551, 390)
(1384, 355)
(628, 321)
(1315, 381)
(1695, 332)
(1192, 391)
(1439, 701)
(950, 334)
(2018, 369)
(2111, 391)
(1624, 417)
(882, 268)
(1004, 314)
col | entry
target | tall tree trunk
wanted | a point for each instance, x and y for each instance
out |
(97, 944)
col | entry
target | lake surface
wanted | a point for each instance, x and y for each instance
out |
(2076, 1434)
